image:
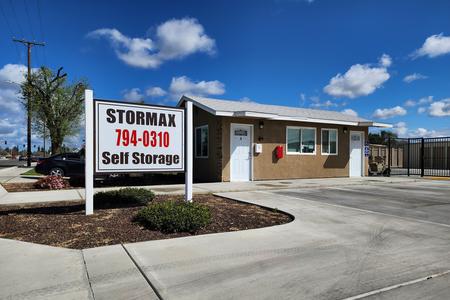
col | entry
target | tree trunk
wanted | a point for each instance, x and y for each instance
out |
(57, 141)
(55, 147)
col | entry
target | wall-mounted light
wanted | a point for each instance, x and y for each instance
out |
(345, 130)
(261, 124)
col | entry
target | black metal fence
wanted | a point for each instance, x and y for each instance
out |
(419, 156)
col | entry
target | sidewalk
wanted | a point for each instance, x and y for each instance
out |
(19, 198)
(13, 175)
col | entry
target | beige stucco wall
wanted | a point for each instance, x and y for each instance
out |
(209, 169)
(266, 166)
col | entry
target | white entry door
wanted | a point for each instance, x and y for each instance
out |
(356, 154)
(241, 152)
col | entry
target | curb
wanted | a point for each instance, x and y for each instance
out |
(3, 192)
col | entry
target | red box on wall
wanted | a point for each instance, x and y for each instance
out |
(279, 151)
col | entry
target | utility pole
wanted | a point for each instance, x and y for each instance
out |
(29, 44)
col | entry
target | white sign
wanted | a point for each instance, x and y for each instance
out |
(138, 138)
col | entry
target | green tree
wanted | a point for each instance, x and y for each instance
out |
(382, 137)
(56, 104)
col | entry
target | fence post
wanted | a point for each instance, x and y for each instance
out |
(422, 158)
(408, 161)
(389, 154)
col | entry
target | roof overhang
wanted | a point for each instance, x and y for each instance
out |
(267, 116)
(376, 124)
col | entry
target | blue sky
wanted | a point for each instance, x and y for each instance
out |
(352, 56)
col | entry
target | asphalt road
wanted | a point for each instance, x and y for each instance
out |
(5, 163)
(424, 200)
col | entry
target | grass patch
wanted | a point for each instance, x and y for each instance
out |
(31, 172)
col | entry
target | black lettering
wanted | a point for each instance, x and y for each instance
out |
(135, 156)
(172, 120)
(106, 159)
(169, 160)
(162, 120)
(111, 117)
(130, 117)
(115, 158)
(176, 159)
(120, 111)
(151, 118)
(140, 118)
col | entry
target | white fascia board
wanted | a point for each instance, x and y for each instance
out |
(287, 118)
(375, 124)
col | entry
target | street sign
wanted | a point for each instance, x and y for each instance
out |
(138, 138)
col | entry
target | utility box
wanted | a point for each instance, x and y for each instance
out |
(258, 148)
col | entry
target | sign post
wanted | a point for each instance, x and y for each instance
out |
(189, 154)
(89, 151)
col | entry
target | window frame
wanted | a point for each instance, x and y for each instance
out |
(301, 153)
(195, 141)
(337, 141)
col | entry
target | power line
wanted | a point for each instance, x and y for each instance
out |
(10, 31)
(17, 19)
(29, 19)
(38, 59)
(38, 3)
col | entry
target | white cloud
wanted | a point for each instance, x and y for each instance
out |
(185, 86)
(400, 129)
(133, 95)
(413, 77)
(325, 104)
(435, 45)
(359, 80)
(425, 100)
(410, 103)
(423, 132)
(179, 38)
(385, 113)
(175, 39)
(440, 108)
(246, 99)
(385, 61)
(12, 74)
(421, 110)
(350, 112)
(155, 91)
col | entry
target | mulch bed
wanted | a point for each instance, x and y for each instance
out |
(25, 187)
(65, 225)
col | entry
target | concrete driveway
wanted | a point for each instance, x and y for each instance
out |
(333, 250)
(376, 241)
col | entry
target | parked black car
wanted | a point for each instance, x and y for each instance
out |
(66, 164)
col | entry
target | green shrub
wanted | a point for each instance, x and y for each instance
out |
(124, 197)
(171, 216)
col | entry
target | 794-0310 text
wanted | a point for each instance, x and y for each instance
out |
(147, 138)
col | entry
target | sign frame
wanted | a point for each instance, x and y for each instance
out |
(97, 101)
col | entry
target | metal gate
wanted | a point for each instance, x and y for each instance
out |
(419, 156)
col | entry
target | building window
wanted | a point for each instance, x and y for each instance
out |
(201, 141)
(329, 141)
(301, 140)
